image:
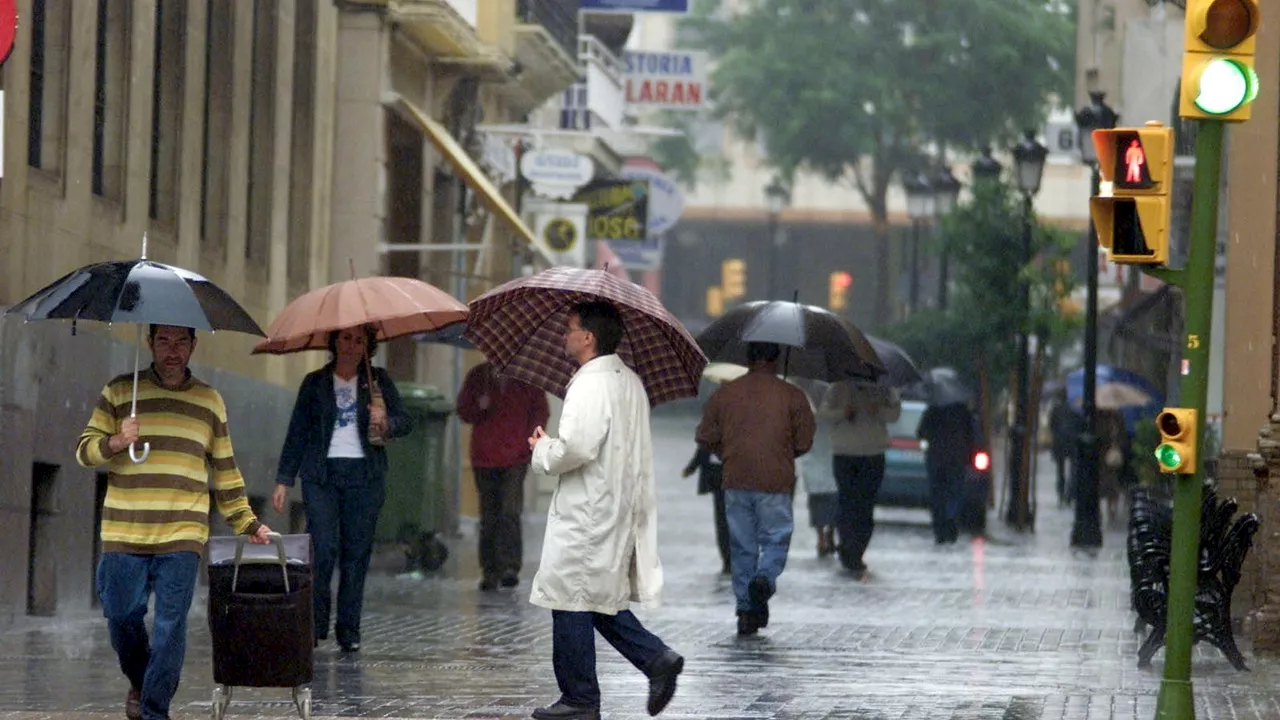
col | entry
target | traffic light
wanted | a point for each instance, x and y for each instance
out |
(840, 282)
(715, 301)
(1218, 77)
(1176, 452)
(1133, 221)
(733, 279)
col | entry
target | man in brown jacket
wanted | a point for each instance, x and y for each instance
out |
(758, 424)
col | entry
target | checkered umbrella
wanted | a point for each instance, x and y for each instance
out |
(520, 327)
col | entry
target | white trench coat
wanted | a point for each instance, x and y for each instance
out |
(600, 552)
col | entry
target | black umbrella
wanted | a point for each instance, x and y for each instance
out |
(943, 386)
(821, 345)
(451, 334)
(137, 291)
(900, 369)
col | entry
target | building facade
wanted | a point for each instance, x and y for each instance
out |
(273, 146)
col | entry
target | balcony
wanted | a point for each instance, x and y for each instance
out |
(545, 46)
(445, 30)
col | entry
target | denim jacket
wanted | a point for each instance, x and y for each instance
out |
(306, 446)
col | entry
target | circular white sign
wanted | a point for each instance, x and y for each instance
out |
(666, 201)
(557, 167)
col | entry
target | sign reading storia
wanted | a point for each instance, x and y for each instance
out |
(674, 80)
(617, 209)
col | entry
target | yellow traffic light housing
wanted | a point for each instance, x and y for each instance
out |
(1133, 220)
(837, 295)
(1219, 81)
(1179, 432)
(733, 279)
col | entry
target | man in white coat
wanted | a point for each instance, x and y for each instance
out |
(600, 552)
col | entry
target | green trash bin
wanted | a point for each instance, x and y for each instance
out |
(417, 489)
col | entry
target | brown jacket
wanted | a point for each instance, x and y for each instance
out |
(758, 424)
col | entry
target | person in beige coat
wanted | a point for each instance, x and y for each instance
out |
(600, 551)
(860, 413)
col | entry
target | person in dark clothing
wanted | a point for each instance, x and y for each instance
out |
(709, 468)
(503, 413)
(1064, 427)
(951, 434)
(335, 446)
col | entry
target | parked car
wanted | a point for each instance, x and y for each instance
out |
(906, 482)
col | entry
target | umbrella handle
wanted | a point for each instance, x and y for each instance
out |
(138, 459)
(133, 410)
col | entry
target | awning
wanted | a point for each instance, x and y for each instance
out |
(471, 173)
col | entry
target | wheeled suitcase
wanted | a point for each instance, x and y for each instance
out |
(260, 617)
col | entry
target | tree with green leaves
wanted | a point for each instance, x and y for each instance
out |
(861, 90)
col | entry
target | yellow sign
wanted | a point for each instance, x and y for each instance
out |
(616, 209)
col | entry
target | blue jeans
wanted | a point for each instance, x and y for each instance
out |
(153, 665)
(573, 650)
(342, 515)
(760, 526)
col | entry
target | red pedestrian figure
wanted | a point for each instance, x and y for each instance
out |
(1134, 159)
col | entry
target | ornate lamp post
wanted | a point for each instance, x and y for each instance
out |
(777, 196)
(946, 192)
(921, 208)
(1086, 530)
(1028, 161)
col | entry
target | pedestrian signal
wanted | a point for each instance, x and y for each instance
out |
(1132, 221)
(837, 297)
(1178, 435)
(733, 279)
(1218, 77)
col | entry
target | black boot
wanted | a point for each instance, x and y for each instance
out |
(662, 680)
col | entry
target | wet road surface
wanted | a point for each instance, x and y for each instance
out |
(1016, 627)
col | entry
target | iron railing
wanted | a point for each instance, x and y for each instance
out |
(559, 17)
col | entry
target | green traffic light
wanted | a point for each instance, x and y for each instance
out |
(1168, 457)
(1225, 85)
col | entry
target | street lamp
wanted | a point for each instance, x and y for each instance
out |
(777, 196)
(986, 167)
(946, 192)
(1028, 167)
(920, 208)
(1086, 530)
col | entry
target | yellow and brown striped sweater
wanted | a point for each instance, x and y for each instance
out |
(162, 505)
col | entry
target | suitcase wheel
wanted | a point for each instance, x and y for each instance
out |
(221, 699)
(302, 700)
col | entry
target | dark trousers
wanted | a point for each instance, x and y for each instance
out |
(342, 515)
(125, 583)
(501, 493)
(722, 528)
(946, 492)
(573, 650)
(858, 479)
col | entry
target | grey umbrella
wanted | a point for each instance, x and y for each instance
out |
(900, 370)
(943, 386)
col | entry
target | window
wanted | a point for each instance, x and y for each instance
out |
(110, 81)
(50, 21)
(216, 144)
(262, 113)
(166, 109)
(302, 152)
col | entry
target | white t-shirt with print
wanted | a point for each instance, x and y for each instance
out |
(346, 426)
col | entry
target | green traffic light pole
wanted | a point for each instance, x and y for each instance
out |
(1176, 701)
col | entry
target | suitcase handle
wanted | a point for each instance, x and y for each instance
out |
(275, 539)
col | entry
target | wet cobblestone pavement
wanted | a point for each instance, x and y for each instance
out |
(1014, 627)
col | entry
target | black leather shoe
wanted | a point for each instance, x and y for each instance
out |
(662, 680)
(133, 705)
(564, 711)
(350, 647)
(510, 581)
(488, 584)
(747, 623)
(760, 591)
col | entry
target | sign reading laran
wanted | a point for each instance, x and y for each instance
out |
(675, 80)
(616, 209)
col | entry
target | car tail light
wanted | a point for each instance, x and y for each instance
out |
(902, 443)
(981, 461)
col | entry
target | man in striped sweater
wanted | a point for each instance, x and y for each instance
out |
(155, 519)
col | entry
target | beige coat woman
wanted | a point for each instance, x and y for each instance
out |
(600, 552)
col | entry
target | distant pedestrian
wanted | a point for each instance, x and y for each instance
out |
(155, 515)
(1114, 451)
(503, 413)
(600, 552)
(759, 424)
(710, 471)
(343, 471)
(861, 412)
(1064, 431)
(820, 487)
(951, 434)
